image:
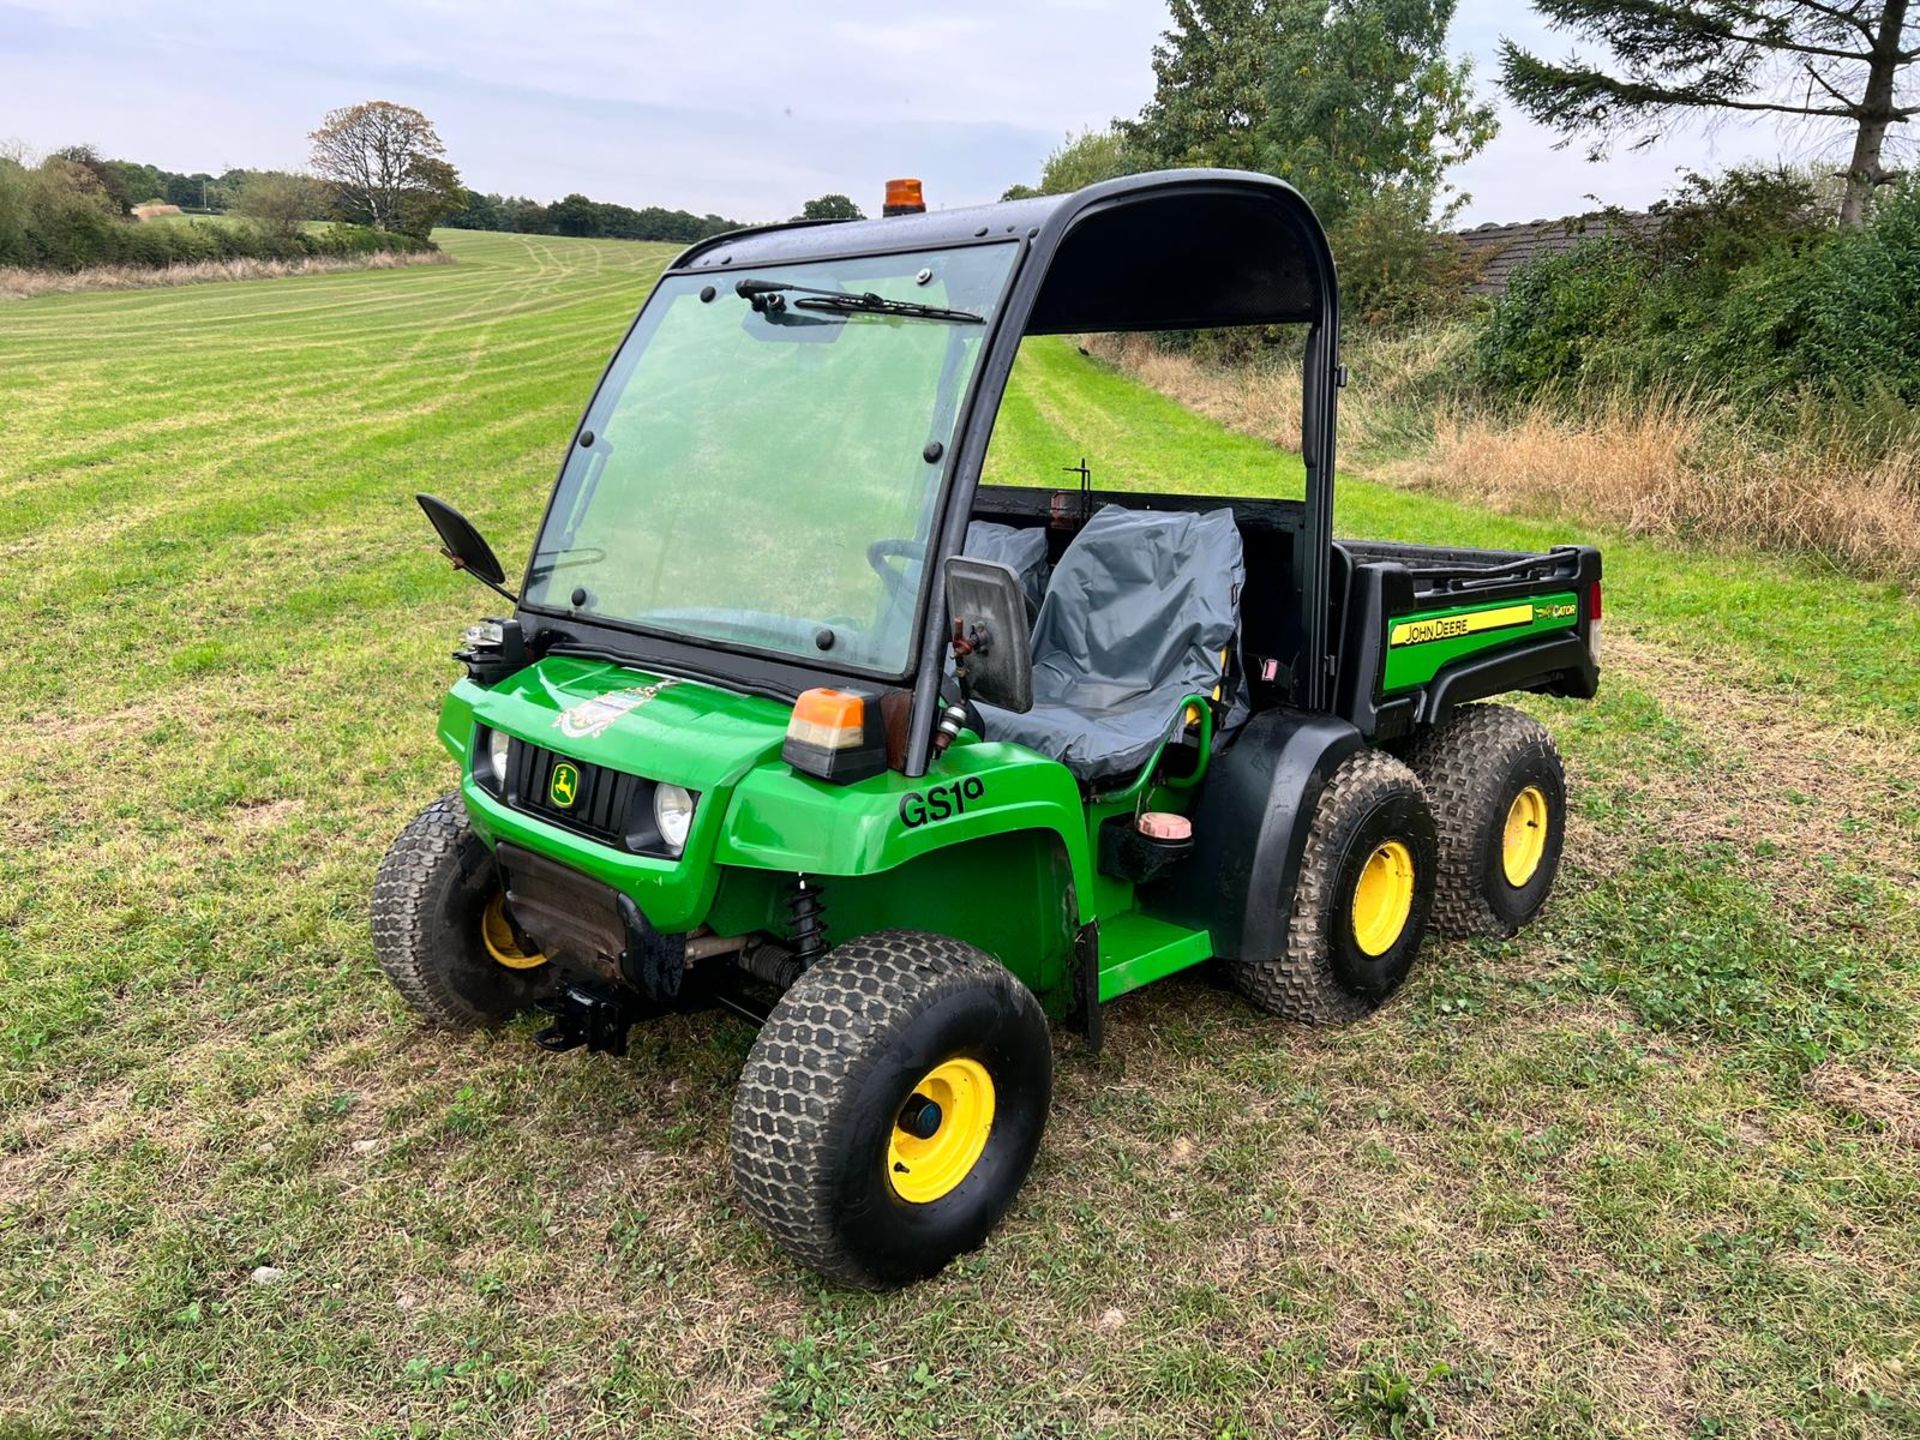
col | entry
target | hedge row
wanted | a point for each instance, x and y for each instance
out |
(179, 242)
(1749, 290)
(53, 217)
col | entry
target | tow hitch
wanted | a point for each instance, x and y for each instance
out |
(587, 1015)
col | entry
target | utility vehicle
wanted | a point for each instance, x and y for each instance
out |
(795, 716)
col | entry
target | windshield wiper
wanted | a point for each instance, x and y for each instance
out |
(765, 296)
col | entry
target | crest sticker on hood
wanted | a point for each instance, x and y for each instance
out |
(590, 718)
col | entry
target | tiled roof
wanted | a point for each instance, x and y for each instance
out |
(1503, 250)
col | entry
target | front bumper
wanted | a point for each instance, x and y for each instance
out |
(674, 895)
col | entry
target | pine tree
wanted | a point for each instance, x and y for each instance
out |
(1841, 62)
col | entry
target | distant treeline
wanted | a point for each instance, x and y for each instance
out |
(577, 215)
(129, 183)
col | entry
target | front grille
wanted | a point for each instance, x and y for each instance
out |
(603, 799)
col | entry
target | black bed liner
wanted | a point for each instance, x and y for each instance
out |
(1442, 570)
(1372, 580)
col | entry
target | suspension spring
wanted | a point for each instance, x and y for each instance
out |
(807, 911)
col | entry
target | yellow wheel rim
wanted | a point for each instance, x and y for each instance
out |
(497, 935)
(1383, 898)
(1525, 839)
(931, 1150)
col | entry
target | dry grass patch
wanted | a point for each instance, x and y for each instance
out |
(1664, 466)
(1890, 1100)
(1793, 791)
(1669, 465)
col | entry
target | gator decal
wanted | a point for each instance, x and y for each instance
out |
(1419, 645)
(590, 718)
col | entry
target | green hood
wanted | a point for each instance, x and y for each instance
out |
(675, 730)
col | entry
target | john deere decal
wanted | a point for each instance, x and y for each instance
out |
(564, 788)
(1451, 627)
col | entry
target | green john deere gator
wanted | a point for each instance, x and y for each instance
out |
(796, 717)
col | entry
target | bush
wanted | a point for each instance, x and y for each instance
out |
(280, 204)
(1862, 314)
(66, 218)
(1559, 315)
(1747, 292)
(1395, 270)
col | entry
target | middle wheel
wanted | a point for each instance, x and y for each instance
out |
(1361, 902)
(891, 1107)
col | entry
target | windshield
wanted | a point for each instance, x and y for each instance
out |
(765, 472)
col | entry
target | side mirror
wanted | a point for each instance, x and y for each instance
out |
(464, 545)
(991, 641)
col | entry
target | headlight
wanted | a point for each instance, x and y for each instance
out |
(673, 814)
(497, 744)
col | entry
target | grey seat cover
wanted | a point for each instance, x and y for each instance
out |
(1135, 619)
(1024, 549)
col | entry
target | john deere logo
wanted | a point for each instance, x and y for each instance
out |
(564, 788)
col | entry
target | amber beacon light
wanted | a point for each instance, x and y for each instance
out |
(904, 198)
(830, 737)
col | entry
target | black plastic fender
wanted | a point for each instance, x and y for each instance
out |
(1559, 665)
(1250, 825)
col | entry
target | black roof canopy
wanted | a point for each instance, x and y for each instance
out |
(1173, 250)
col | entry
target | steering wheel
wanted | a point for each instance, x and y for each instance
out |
(881, 554)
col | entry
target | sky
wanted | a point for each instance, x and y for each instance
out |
(744, 110)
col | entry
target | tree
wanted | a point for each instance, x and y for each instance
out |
(481, 212)
(279, 203)
(106, 174)
(525, 216)
(830, 207)
(1084, 159)
(575, 215)
(190, 191)
(1345, 98)
(1367, 102)
(140, 183)
(1210, 69)
(433, 190)
(1834, 62)
(1087, 159)
(373, 154)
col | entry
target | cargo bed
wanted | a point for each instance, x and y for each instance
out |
(1408, 625)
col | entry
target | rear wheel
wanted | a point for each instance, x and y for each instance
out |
(891, 1107)
(1499, 796)
(441, 928)
(1360, 904)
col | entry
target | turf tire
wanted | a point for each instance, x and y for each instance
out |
(1322, 976)
(428, 897)
(1473, 766)
(836, 1060)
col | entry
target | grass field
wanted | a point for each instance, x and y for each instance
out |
(1652, 1171)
